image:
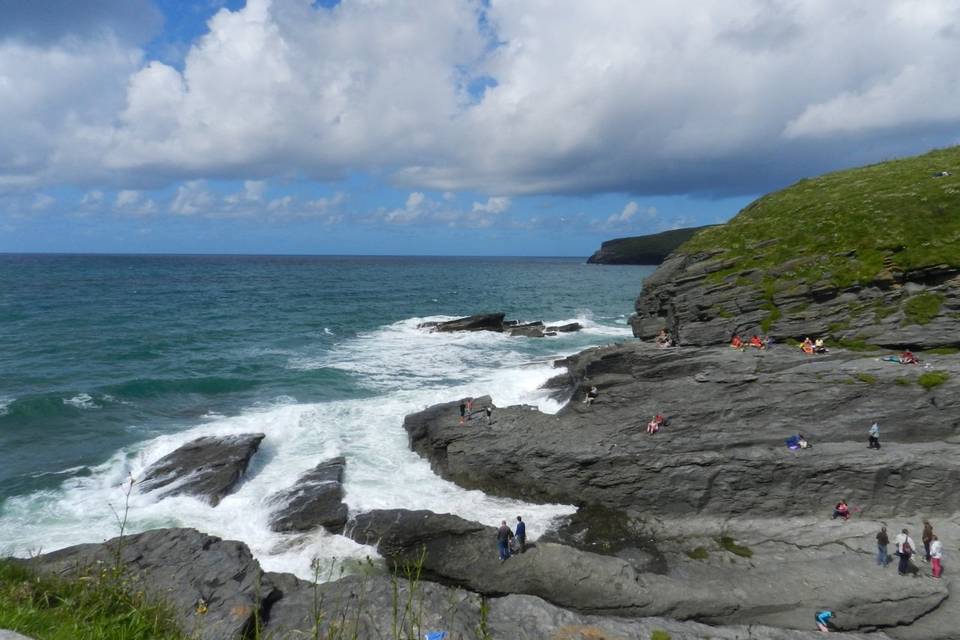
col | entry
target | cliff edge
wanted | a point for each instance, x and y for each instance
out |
(863, 256)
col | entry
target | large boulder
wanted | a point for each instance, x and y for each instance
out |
(208, 467)
(214, 587)
(315, 500)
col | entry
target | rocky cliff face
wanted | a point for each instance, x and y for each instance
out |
(703, 298)
(863, 255)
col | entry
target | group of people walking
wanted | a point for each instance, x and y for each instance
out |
(510, 542)
(907, 548)
(466, 411)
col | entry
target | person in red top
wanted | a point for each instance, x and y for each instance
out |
(755, 341)
(736, 342)
(654, 425)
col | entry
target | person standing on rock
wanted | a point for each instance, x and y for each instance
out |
(469, 409)
(873, 441)
(926, 538)
(503, 540)
(591, 396)
(936, 556)
(521, 534)
(882, 541)
(489, 412)
(905, 547)
(463, 410)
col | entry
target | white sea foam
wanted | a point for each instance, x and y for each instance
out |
(407, 368)
(4, 403)
(81, 401)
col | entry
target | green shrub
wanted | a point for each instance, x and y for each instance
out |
(659, 634)
(868, 378)
(922, 308)
(932, 379)
(903, 382)
(700, 553)
(729, 544)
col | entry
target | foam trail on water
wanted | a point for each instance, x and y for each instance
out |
(407, 368)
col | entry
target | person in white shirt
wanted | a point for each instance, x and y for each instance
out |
(936, 555)
(905, 549)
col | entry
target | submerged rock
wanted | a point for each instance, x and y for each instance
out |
(315, 500)
(208, 467)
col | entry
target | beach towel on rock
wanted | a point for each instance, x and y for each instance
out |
(435, 635)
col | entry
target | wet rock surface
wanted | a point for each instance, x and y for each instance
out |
(208, 467)
(315, 500)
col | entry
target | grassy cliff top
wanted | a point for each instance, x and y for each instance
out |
(849, 226)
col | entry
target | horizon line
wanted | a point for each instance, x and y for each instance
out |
(276, 255)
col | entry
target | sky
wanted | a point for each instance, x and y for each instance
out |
(445, 127)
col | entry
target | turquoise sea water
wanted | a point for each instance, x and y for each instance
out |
(109, 362)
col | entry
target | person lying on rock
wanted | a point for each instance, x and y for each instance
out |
(736, 342)
(908, 357)
(757, 343)
(841, 510)
(654, 425)
(823, 620)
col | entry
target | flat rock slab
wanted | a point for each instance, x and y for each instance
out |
(315, 500)
(214, 587)
(463, 553)
(208, 467)
(529, 618)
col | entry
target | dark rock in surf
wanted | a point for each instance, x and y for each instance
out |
(480, 322)
(566, 328)
(315, 500)
(208, 467)
(528, 330)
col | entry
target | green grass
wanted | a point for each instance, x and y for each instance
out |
(659, 634)
(846, 227)
(102, 606)
(903, 381)
(943, 351)
(922, 308)
(729, 544)
(700, 553)
(868, 378)
(932, 379)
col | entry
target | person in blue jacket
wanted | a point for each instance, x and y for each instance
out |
(521, 534)
(823, 620)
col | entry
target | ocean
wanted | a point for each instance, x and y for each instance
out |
(107, 363)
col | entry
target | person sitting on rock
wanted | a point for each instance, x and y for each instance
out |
(908, 357)
(654, 425)
(823, 620)
(807, 346)
(757, 343)
(736, 342)
(663, 339)
(841, 510)
(819, 347)
(802, 441)
(591, 396)
(873, 436)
